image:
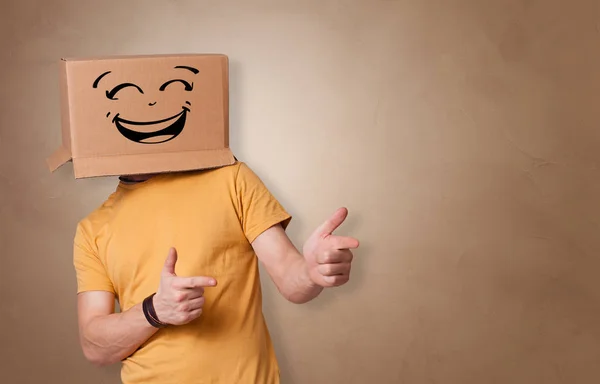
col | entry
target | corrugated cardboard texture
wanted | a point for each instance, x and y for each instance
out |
(144, 114)
(462, 135)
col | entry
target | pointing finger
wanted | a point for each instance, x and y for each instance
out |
(342, 242)
(196, 282)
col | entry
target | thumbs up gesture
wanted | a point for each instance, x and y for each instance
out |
(179, 300)
(328, 256)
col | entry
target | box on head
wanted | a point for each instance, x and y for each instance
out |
(127, 115)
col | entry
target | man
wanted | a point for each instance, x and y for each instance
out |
(180, 252)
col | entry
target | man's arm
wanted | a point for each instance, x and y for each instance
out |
(301, 277)
(107, 337)
(286, 265)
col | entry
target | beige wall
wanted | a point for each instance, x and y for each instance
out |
(462, 136)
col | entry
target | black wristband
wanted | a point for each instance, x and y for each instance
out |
(150, 313)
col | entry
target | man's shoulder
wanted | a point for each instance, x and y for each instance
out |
(226, 170)
(226, 173)
(91, 224)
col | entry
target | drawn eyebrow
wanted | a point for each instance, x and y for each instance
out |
(191, 69)
(99, 78)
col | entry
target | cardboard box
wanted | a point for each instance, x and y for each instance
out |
(144, 114)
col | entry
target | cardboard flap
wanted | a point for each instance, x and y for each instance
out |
(60, 157)
(135, 164)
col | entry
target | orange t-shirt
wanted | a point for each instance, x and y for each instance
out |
(210, 217)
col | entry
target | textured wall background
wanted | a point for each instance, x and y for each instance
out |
(462, 135)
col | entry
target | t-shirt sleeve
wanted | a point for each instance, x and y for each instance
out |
(259, 209)
(91, 273)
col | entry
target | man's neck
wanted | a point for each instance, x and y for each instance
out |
(135, 178)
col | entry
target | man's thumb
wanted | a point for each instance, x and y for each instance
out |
(333, 222)
(169, 267)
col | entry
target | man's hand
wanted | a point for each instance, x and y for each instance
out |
(179, 300)
(328, 257)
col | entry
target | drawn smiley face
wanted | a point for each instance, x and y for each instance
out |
(156, 131)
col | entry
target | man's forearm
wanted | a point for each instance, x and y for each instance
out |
(296, 285)
(111, 338)
(286, 265)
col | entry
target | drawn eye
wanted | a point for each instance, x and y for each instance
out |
(111, 94)
(188, 86)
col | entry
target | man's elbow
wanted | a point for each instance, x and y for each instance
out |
(96, 358)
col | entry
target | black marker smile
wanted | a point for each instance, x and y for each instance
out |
(164, 130)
